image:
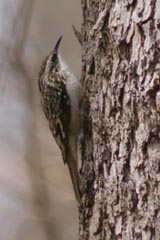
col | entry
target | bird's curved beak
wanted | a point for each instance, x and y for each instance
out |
(57, 44)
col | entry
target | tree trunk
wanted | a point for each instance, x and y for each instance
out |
(121, 104)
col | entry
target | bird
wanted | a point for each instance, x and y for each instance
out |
(60, 94)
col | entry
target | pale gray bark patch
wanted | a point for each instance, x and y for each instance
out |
(121, 198)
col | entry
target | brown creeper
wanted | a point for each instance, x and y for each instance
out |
(61, 93)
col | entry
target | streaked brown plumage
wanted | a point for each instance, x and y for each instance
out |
(61, 93)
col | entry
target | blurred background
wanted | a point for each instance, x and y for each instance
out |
(36, 196)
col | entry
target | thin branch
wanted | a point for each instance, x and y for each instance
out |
(77, 34)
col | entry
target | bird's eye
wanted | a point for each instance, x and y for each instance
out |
(54, 57)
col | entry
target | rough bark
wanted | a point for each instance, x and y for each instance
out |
(121, 104)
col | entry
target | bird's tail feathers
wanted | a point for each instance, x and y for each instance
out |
(73, 170)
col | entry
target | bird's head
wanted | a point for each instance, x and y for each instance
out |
(53, 59)
(50, 68)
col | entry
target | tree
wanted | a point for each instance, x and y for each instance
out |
(121, 104)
